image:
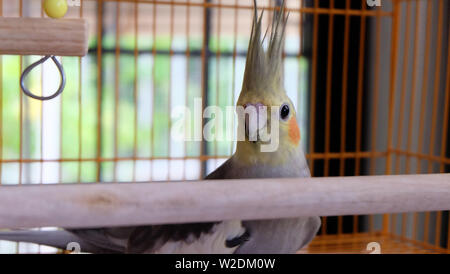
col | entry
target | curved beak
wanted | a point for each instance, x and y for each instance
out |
(255, 120)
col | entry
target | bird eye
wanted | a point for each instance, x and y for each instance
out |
(284, 111)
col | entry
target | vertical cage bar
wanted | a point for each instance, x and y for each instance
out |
(437, 75)
(423, 99)
(80, 108)
(393, 217)
(186, 98)
(376, 92)
(152, 120)
(313, 88)
(169, 92)
(42, 130)
(313, 97)
(445, 125)
(299, 56)
(99, 84)
(344, 88)
(1, 105)
(344, 110)
(423, 104)
(20, 117)
(402, 102)
(41, 145)
(136, 86)
(233, 73)
(328, 89)
(362, 44)
(436, 83)
(413, 85)
(205, 53)
(61, 124)
(403, 85)
(446, 110)
(218, 58)
(116, 92)
(393, 71)
(20, 108)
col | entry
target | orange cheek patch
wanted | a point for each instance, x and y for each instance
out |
(294, 131)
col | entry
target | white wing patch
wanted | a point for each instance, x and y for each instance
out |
(208, 243)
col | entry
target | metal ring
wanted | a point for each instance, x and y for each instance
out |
(32, 66)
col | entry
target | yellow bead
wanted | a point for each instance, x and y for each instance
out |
(55, 8)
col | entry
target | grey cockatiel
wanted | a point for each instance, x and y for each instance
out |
(262, 87)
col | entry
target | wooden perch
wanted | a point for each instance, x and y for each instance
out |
(43, 36)
(93, 205)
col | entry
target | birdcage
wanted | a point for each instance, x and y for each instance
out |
(370, 81)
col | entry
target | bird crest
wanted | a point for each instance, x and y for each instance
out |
(264, 68)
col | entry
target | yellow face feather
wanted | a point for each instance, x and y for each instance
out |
(289, 136)
(263, 84)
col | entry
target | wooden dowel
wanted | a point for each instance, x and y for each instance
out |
(43, 36)
(94, 205)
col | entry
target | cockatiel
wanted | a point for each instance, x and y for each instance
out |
(262, 86)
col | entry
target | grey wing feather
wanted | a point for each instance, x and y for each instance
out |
(103, 240)
(286, 235)
(59, 239)
(112, 240)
